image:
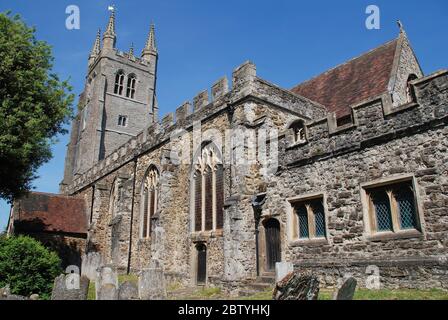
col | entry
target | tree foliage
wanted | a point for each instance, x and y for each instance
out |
(34, 105)
(27, 266)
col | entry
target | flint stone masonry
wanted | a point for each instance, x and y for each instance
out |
(385, 141)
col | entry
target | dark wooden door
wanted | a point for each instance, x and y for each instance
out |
(202, 263)
(273, 250)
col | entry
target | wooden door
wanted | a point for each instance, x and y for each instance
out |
(273, 249)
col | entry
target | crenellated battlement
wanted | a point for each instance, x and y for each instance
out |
(159, 132)
(373, 122)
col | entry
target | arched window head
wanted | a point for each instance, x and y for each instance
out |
(130, 91)
(298, 129)
(149, 200)
(208, 190)
(119, 83)
(410, 95)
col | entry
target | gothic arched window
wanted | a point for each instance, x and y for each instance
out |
(130, 91)
(208, 190)
(409, 90)
(119, 83)
(149, 200)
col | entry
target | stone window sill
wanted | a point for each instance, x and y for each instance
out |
(386, 236)
(124, 98)
(316, 242)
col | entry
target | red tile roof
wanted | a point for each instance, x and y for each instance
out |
(40, 212)
(357, 80)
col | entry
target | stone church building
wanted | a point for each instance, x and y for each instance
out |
(346, 173)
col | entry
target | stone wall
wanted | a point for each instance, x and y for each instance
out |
(410, 142)
(382, 142)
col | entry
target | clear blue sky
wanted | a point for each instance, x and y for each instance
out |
(201, 40)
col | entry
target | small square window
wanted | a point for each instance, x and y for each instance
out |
(309, 219)
(122, 121)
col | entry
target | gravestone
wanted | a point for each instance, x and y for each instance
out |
(128, 291)
(62, 292)
(346, 291)
(282, 269)
(151, 282)
(296, 286)
(90, 263)
(107, 283)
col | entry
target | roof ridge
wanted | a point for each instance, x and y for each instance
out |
(346, 62)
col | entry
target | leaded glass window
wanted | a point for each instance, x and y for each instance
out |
(393, 207)
(310, 219)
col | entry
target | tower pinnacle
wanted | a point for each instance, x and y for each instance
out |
(96, 48)
(150, 46)
(110, 36)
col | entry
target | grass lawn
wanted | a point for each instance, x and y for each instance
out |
(177, 292)
(121, 278)
(365, 294)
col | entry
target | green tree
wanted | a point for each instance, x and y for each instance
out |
(34, 105)
(27, 266)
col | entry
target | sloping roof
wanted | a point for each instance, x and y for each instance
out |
(361, 78)
(43, 212)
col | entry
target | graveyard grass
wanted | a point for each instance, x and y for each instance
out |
(121, 279)
(178, 292)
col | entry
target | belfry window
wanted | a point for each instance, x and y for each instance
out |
(149, 200)
(119, 83)
(122, 121)
(208, 191)
(130, 91)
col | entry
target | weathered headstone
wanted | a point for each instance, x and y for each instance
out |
(62, 292)
(296, 286)
(151, 282)
(282, 269)
(128, 291)
(90, 263)
(107, 283)
(346, 291)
